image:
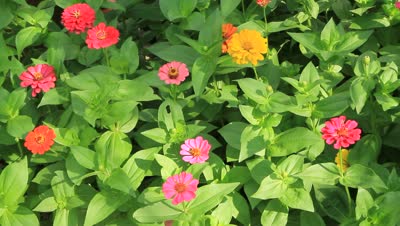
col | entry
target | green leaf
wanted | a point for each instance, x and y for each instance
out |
(93, 78)
(360, 89)
(157, 212)
(386, 209)
(19, 126)
(271, 187)
(232, 133)
(14, 182)
(254, 89)
(7, 12)
(298, 198)
(252, 141)
(259, 168)
(364, 202)
(48, 204)
(168, 166)
(84, 156)
(66, 217)
(75, 171)
(228, 6)
(332, 106)
(291, 165)
(202, 70)
(112, 149)
(275, 214)
(208, 196)
(361, 176)
(174, 9)
(311, 219)
(322, 173)
(366, 150)
(119, 181)
(311, 8)
(15, 101)
(169, 52)
(102, 205)
(309, 40)
(141, 92)
(22, 216)
(58, 95)
(26, 37)
(211, 32)
(333, 201)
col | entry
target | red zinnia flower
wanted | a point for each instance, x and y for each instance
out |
(102, 36)
(40, 77)
(195, 150)
(180, 187)
(78, 17)
(263, 3)
(173, 72)
(40, 140)
(340, 131)
(227, 31)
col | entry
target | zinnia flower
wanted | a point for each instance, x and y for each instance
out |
(40, 77)
(227, 31)
(102, 36)
(397, 5)
(181, 187)
(173, 72)
(78, 17)
(247, 46)
(40, 140)
(345, 164)
(263, 3)
(195, 150)
(341, 132)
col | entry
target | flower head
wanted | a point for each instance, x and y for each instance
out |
(173, 72)
(345, 163)
(78, 17)
(263, 3)
(195, 150)
(181, 187)
(341, 132)
(247, 46)
(102, 36)
(40, 78)
(397, 4)
(227, 31)
(40, 140)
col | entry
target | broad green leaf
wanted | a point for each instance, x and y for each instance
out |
(56, 96)
(15, 101)
(119, 181)
(93, 78)
(361, 176)
(239, 174)
(259, 168)
(84, 156)
(360, 89)
(66, 217)
(26, 37)
(364, 202)
(291, 165)
(298, 198)
(366, 150)
(223, 212)
(227, 6)
(254, 89)
(19, 126)
(271, 187)
(310, 40)
(311, 219)
(275, 214)
(7, 12)
(75, 171)
(252, 141)
(386, 209)
(44, 176)
(322, 173)
(157, 212)
(112, 149)
(211, 31)
(14, 182)
(332, 201)
(22, 216)
(241, 210)
(62, 187)
(175, 9)
(168, 166)
(102, 205)
(202, 70)
(209, 196)
(169, 52)
(311, 8)
(232, 133)
(332, 106)
(48, 204)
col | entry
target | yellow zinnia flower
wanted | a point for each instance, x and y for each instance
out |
(345, 154)
(247, 46)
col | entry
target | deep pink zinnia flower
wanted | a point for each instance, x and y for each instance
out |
(102, 36)
(195, 150)
(181, 187)
(40, 77)
(173, 72)
(78, 17)
(397, 5)
(341, 132)
(263, 3)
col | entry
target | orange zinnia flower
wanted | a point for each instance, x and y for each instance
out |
(40, 140)
(227, 31)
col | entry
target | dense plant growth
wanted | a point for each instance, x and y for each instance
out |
(202, 112)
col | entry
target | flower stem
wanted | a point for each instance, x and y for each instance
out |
(21, 153)
(105, 51)
(173, 91)
(255, 73)
(345, 187)
(265, 20)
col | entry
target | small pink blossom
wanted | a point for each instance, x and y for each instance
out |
(181, 187)
(173, 72)
(397, 5)
(40, 78)
(341, 132)
(195, 150)
(263, 3)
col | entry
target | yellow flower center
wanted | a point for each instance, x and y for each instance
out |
(247, 45)
(76, 14)
(39, 138)
(38, 76)
(180, 187)
(195, 152)
(342, 132)
(172, 72)
(101, 35)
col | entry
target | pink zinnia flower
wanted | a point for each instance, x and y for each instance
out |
(40, 77)
(263, 3)
(78, 17)
(181, 187)
(102, 36)
(195, 150)
(173, 72)
(397, 5)
(341, 132)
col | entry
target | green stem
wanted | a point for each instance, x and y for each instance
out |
(105, 51)
(265, 20)
(215, 84)
(345, 187)
(243, 9)
(21, 153)
(94, 173)
(255, 73)
(173, 91)
(184, 207)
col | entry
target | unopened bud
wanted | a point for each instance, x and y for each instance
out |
(367, 60)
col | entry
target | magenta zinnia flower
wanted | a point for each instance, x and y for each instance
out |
(181, 187)
(397, 5)
(195, 150)
(40, 77)
(341, 132)
(78, 17)
(102, 36)
(173, 72)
